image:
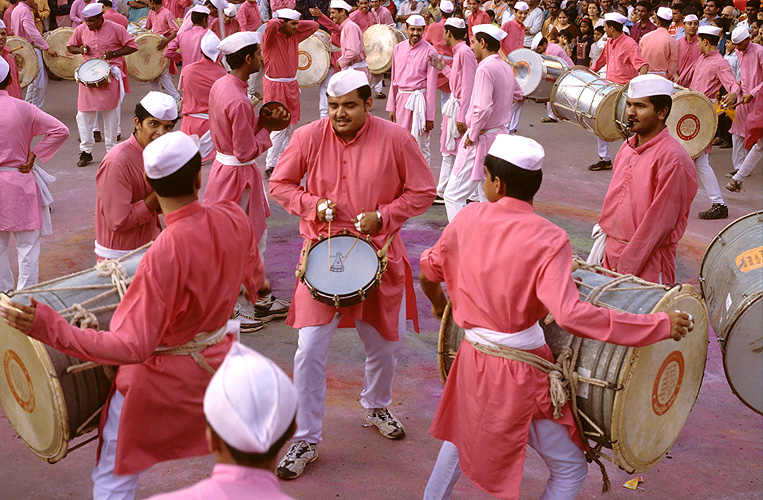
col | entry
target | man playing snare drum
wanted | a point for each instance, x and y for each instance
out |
(351, 184)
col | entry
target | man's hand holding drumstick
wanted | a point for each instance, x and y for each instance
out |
(17, 315)
(681, 323)
(325, 210)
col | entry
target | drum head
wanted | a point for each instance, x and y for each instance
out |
(148, 63)
(692, 120)
(604, 118)
(93, 71)
(273, 105)
(313, 63)
(379, 41)
(65, 65)
(528, 69)
(26, 59)
(448, 342)
(351, 266)
(742, 358)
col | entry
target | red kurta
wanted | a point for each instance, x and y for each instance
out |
(189, 45)
(480, 17)
(622, 58)
(688, 52)
(434, 35)
(14, 88)
(196, 80)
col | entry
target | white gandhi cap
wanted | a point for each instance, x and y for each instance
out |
(201, 9)
(160, 105)
(4, 69)
(345, 82)
(168, 154)
(2, 25)
(521, 6)
(615, 17)
(219, 4)
(491, 30)
(739, 34)
(231, 10)
(665, 13)
(709, 30)
(521, 151)
(288, 14)
(649, 85)
(456, 22)
(209, 43)
(536, 40)
(447, 6)
(416, 20)
(250, 402)
(340, 4)
(690, 17)
(237, 41)
(92, 9)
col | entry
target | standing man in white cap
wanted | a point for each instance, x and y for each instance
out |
(381, 15)
(22, 24)
(515, 29)
(654, 181)
(126, 208)
(659, 49)
(688, 50)
(161, 21)
(188, 43)
(623, 60)
(460, 75)
(435, 35)
(362, 16)
(476, 16)
(250, 407)
(346, 188)
(542, 46)
(160, 324)
(530, 258)
(413, 84)
(280, 48)
(14, 88)
(707, 74)
(249, 18)
(352, 53)
(25, 198)
(489, 112)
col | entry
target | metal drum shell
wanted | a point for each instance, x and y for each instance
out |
(314, 60)
(64, 66)
(536, 73)
(731, 278)
(26, 59)
(148, 63)
(379, 41)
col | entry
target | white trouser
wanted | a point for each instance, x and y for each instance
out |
(376, 82)
(548, 110)
(323, 100)
(423, 141)
(262, 245)
(707, 177)
(28, 250)
(164, 81)
(603, 149)
(99, 116)
(85, 121)
(516, 114)
(444, 96)
(752, 159)
(738, 153)
(310, 371)
(255, 83)
(106, 484)
(564, 459)
(445, 169)
(35, 92)
(460, 186)
(280, 140)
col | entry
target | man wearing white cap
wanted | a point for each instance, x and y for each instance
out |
(659, 49)
(22, 25)
(14, 88)
(362, 16)
(489, 112)
(435, 35)
(515, 29)
(348, 189)
(524, 271)
(476, 16)
(688, 50)
(707, 74)
(161, 21)
(25, 198)
(654, 181)
(623, 60)
(352, 53)
(644, 24)
(413, 84)
(126, 208)
(280, 48)
(187, 45)
(165, 340)
(461, 80)
(250, 406)
(100, 39)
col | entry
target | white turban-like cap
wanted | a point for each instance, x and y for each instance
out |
(92, 9)
(231, 10)
(250, 402)
(416, 20)
(615, 17)
(345, 82)
(456, 22)
(288, 14)
(168, 154)
(665, 13)
(690, 17)
(739, 34)
(490, 30)
(521, 151)
(521, 6)
(4, 69)
(160, 105)
(649, 85)
(709, 30)
(536, 40)
(340, 4)
(200, 8)
(447, 6)
(2, 25)
(209, 43)
(237, 41)
(219, 4)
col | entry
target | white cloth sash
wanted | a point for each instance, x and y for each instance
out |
(203, 116)
(44, 181)
(109, 253)
(596, 257)
(446, 58)
(450, 110)
(231, 160)
(281, 80)
(232, 326)
(361, 64)
(117, 73)
(418, 105)
(528, 339)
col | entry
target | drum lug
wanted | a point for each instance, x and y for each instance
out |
(721, 240)
(336, 300)
(362, 295)
(344, 231)
(368, 238)
(321, 237)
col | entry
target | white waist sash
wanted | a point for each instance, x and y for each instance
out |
(203, 116)
(450, 111)
(361, 64)
(526, 340)
(281, 80)
(231, 160)
(109, 253)
(596, 257)
(418, 105)
(446, 58)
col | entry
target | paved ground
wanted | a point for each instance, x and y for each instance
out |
(718, 455)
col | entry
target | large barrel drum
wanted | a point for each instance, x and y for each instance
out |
(536, 73)
(379, 41)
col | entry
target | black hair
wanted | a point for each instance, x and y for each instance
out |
(255, 459)
(157, 2)
(615, 26)
(446, 15)
(4, 84)
(493, 45)
(237, 59)
(198, 17)
(520, 183)
(107, 3)
(645, 4)
(599, 29)
(180, 182)
(364, 92)
(713, 39)
(661, 101)
(543, 41)
(678, 6)
(723, 23)
(141, 113)
(753, 3)
(567, 34)
(457, 33)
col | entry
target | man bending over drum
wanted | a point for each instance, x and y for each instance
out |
(486, 435)
(351, 184)
(160, 311)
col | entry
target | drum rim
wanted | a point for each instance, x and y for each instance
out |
(756, 298)
(26, 42)
(371, 284)
(328, 66)
(47, 59)
(129, 57)
(447, 315)
(93, 84)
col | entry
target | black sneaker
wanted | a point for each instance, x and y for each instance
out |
(271, 307)
(380, 95)
(600, 165)
(97, 136)
(268, 172)
(717, 211)
(84, 159)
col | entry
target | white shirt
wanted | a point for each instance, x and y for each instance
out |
(534, 21)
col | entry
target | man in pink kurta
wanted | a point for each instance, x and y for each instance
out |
(361, 193)
(75, 12)
(688, 51)
(14, 88)
(352, 52)
(435, 35)
(362, 16)
(380, 15)
(750, 57)
(160, 310)
(22, 202)
(187, 45)
(249, 16)
(7, 17)
(515, 29)
(659, 49)
(161, 21)
(476, 16)
(22, 25)
(110, 14)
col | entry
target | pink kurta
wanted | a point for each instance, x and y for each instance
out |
(161, 21)
(434, 35)
(411, 70)
(196, 80)
(280, 53)
(231, 482)
(382, 16)
(249, 16)
(362, 19)
(189, 45)
(22, 22)
(170, 299)
(622, 58)
(688, 52)
(515, 36)
(235, 132)
(353, 53)
(175, 7)
(553, 49)
(282, 4)
(14, 88)
(110, 36)
(7, 19)
(114, 16)
(660, 51)
(525, 265)
(481, 17)
(707, 74)
(647, 207)
(231, 27)
(122, 219)
(461, 81)
(20, 208)
(750, 78)
(75, 12)
(395, 180)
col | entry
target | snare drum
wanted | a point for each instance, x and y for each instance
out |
(314, 60)
(65, 65)
(134, 29)
(26, 59)
(536, 73)
(379, 41)
(148, 63)
(580, 96)
(731, 277)
(93, 73)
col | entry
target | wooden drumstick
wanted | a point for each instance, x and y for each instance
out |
(17, 48)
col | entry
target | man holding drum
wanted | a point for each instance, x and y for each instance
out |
(14, 88)
(161, 21)
(381, 15)
(349, 189)
(22, 24)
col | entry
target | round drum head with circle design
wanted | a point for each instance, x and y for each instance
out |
(26, 59)
(350, 266)
(64, 65)
(148, 63)
(313, 62)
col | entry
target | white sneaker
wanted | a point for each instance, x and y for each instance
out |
(293, 464)
(389, 426)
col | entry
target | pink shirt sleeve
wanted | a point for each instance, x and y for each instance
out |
(118, 210)
(55, 132)
(481, 104)
(431, 94)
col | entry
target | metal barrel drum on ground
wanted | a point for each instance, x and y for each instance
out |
(379, 41)
(148, 63)
(64, 65)
(314, 59)
(731, 278)
(48, 397)
(26, 59)
(536, 73)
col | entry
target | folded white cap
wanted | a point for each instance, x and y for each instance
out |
(345, 82)
(615, 17)
(92, 9)
(521, 151)
(447, 6)
(237, 41)
(250, 402)
(626, 30)
(219, 4)
(288, 14)
(2, 25)
(709, 30)
(665, 13)
(456, 22)
(521, 6)
(739, 34)
(4, 69)
(209, 43)
(340, 4)
(160, 105)
(168, 154)
(200, 8)
(536, 40)
(490, 30)
(690, 17)
(649, 85)
(231, 10)
(416, 20)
